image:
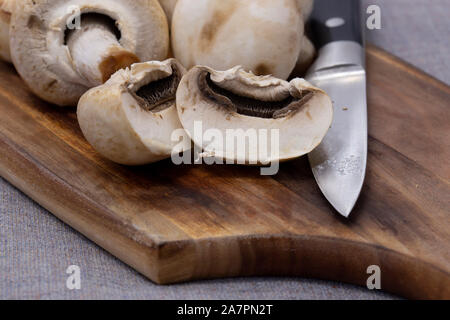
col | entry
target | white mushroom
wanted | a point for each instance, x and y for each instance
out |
(305, 6)
(264, 36)
(236, 100)
(60, 60)
(6, 7)
(130, 119)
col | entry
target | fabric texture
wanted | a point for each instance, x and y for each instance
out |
(36, 248)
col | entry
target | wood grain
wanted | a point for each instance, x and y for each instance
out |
(181, 223)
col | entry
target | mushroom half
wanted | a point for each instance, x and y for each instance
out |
(6, 7)
(235, 105)
(264, 36)
(62, 48)
(132, 117)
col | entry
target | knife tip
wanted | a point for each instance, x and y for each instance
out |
(345, 209)
(345, 214)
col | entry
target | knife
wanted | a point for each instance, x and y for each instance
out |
(339, 163)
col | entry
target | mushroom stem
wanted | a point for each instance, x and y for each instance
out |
(96, 51)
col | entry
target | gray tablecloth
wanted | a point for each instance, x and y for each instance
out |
(36, 248)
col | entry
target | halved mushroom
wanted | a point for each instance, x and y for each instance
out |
(6, 7)
(131, 118)
(264, 36)
(60, 59)
(239, 105)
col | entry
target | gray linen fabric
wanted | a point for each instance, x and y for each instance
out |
(36, 248)
(418, 31)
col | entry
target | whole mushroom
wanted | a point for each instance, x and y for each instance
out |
(236, 100)
(305, 7)
(6, 7)
(62, 48)
(130, 119)
(264, 36)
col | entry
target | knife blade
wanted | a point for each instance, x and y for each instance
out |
(339, 163)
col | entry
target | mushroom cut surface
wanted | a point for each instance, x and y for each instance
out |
(243, 105)
(132, 117)
(63, 48)
(251, 106)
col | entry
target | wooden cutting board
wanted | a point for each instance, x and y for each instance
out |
(178, 223)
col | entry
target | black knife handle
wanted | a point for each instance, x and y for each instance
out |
(336, 20)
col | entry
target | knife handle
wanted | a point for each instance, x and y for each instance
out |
(336, 20)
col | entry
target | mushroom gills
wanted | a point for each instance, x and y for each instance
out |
(158, 95)
(249, 106)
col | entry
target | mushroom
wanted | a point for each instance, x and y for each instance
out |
(130, 119)
(264, 36)
(6, 7)
(62, 48)
(233, 102)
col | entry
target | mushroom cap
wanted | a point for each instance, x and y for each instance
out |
(43, 59)
(301, 113)
(264, 36)
(6, 7)
(117, 125)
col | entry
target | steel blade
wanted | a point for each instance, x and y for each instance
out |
(339, 163)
